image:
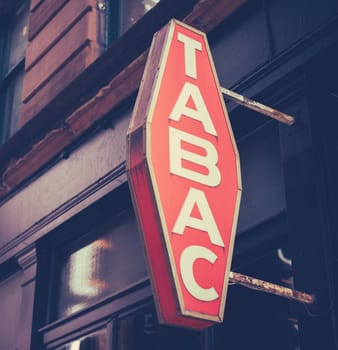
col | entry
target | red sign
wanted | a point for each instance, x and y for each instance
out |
(184, 175)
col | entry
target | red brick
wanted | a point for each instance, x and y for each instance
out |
(43, 14)
(56, 57)
(55, 29)
(72, 69)
(35, 4)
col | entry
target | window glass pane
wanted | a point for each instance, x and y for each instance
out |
(18, 35)
(107, 265)
(13, 104)
(132, 10)
(94, 341)
(13, 71)
(141, 331)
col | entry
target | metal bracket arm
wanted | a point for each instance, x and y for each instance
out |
(258, 107)
(271, 288)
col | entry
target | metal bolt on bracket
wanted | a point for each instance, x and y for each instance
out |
(101, 6)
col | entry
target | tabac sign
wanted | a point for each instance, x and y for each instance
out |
(183, 171)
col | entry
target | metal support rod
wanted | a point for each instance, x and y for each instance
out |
(258, 107)
(271, 288)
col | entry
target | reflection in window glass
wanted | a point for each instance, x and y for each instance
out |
(108, 265)
(94, 341)
(141, 331)
(18, 37)
(132, 11)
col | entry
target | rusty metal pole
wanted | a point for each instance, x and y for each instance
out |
(267, 287)
(258, 107)
(248, 281)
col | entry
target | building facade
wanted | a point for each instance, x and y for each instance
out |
(73, 274)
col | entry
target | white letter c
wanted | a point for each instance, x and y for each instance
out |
(188, 258)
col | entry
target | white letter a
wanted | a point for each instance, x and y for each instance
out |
(206, 223)
(200, 114)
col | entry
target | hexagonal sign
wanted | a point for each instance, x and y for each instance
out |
(184, 175)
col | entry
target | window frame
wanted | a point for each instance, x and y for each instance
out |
(100, 316)
(10, 76)
(114, 14)
(102, 313)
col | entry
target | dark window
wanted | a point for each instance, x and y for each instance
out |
(14, 33)
(122, 14)
(132, 10)
(140, 330)
(107, 261)
(93, 341)
(137, 330)
(93, 267)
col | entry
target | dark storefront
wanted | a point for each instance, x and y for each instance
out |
(73, 274)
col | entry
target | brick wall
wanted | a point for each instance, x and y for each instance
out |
(64, 38)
